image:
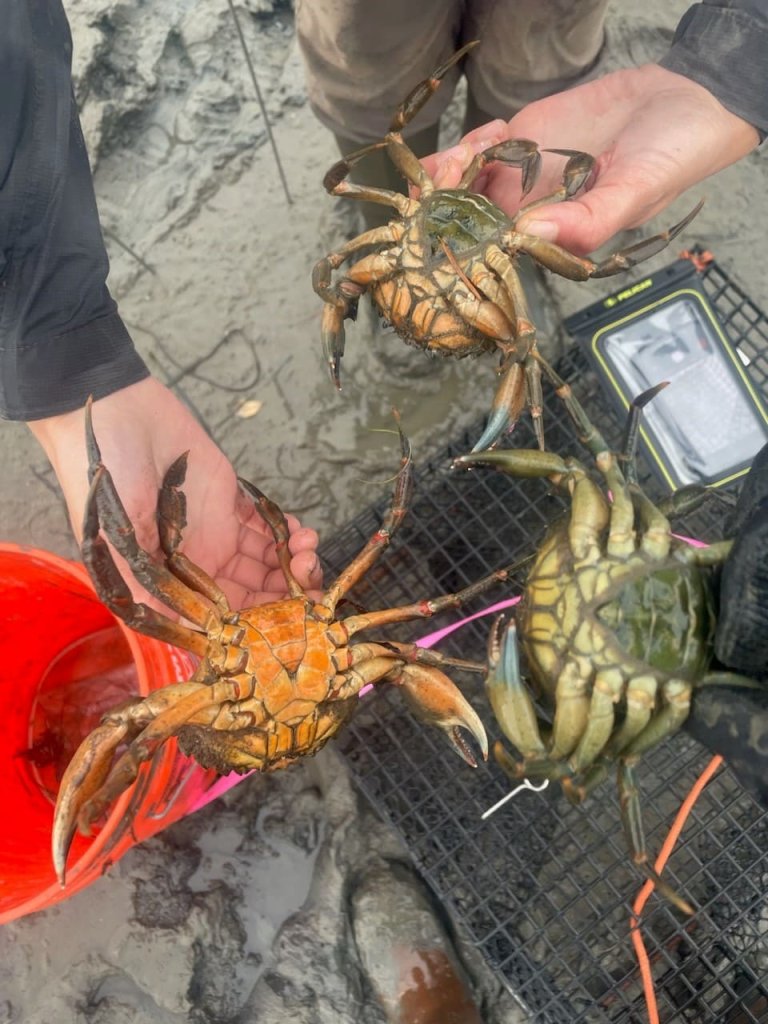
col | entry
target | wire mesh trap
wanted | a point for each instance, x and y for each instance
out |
(542, 888)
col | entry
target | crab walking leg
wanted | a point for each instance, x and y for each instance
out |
(104, 509)
(578, 268)
(276, 521)
(171, 522)
(340, 300)
(401, 154)
(640, 703)
(655, 537)
(380, 540)
(522, 153)
(621, 540)
(116, 595)
(631, 816)
(577, 170)
(590, 511)
(407, 653)
(601, 716)
(426, 609)
(715, 554)
(676, 694)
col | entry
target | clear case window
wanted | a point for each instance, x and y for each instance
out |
(706, 423)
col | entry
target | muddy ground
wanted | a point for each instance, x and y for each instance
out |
(241, 913)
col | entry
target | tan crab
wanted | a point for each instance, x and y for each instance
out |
(443, 271)
(275, 682)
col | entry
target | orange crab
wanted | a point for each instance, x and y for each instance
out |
(443, 270)
(275, 682)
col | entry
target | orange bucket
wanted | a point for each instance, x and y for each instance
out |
(64, 661)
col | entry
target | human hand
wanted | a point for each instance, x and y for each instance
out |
(141, 429)
(653, 133)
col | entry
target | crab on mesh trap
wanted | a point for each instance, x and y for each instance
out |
(541, 888)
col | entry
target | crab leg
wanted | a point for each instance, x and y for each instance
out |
(631, 816)
(522, 153)
(577, 170)
(383, 536)
(87, 771)
(186, 704)
(508, 403)
(426, 609)
(437, 700)
(115, 593)
(509, 698)
(402, 155)
(406, 652)
(274, 518)
(578, 268)
(104, 508)
(340, 300)
(513, 331)
(590, 513)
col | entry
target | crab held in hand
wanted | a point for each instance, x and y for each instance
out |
(616, 624)
(275, 682)
(443, 270)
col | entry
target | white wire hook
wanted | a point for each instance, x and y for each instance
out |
(525, 784)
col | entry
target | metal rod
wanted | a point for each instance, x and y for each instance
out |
(260, 98)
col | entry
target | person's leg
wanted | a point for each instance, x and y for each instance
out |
(362, 58)
(528, 49)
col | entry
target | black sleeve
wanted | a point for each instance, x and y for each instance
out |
(723, 45)
(61, 338)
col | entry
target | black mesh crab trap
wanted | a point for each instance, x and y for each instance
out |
(542, 888)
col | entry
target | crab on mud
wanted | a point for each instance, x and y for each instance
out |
(443, 271)
(275, 682)
(616, 625)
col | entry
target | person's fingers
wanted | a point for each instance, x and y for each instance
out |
(274, 581)
(248, 513)
(446, 167)
(257, 574)
(618, 200)
(447, 172)
(307, 569)
(304, 538)
(260, 547)
(257, 547)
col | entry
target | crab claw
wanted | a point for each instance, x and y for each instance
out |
(437, 700)
(84, 777)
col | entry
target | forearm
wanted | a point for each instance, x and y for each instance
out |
(61, 337)
(723, 46)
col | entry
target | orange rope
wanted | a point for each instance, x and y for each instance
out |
(642, 897)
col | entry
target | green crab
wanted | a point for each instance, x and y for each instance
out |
(616, 624)
(443, 271)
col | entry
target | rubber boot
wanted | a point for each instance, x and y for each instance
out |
(378, 170)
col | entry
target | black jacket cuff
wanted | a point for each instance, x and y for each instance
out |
(725, 49)
(56, 375)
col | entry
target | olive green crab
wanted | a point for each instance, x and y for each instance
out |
(616, 624)
(443, 271)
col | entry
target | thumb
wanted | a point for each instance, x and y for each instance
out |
(583, 224)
